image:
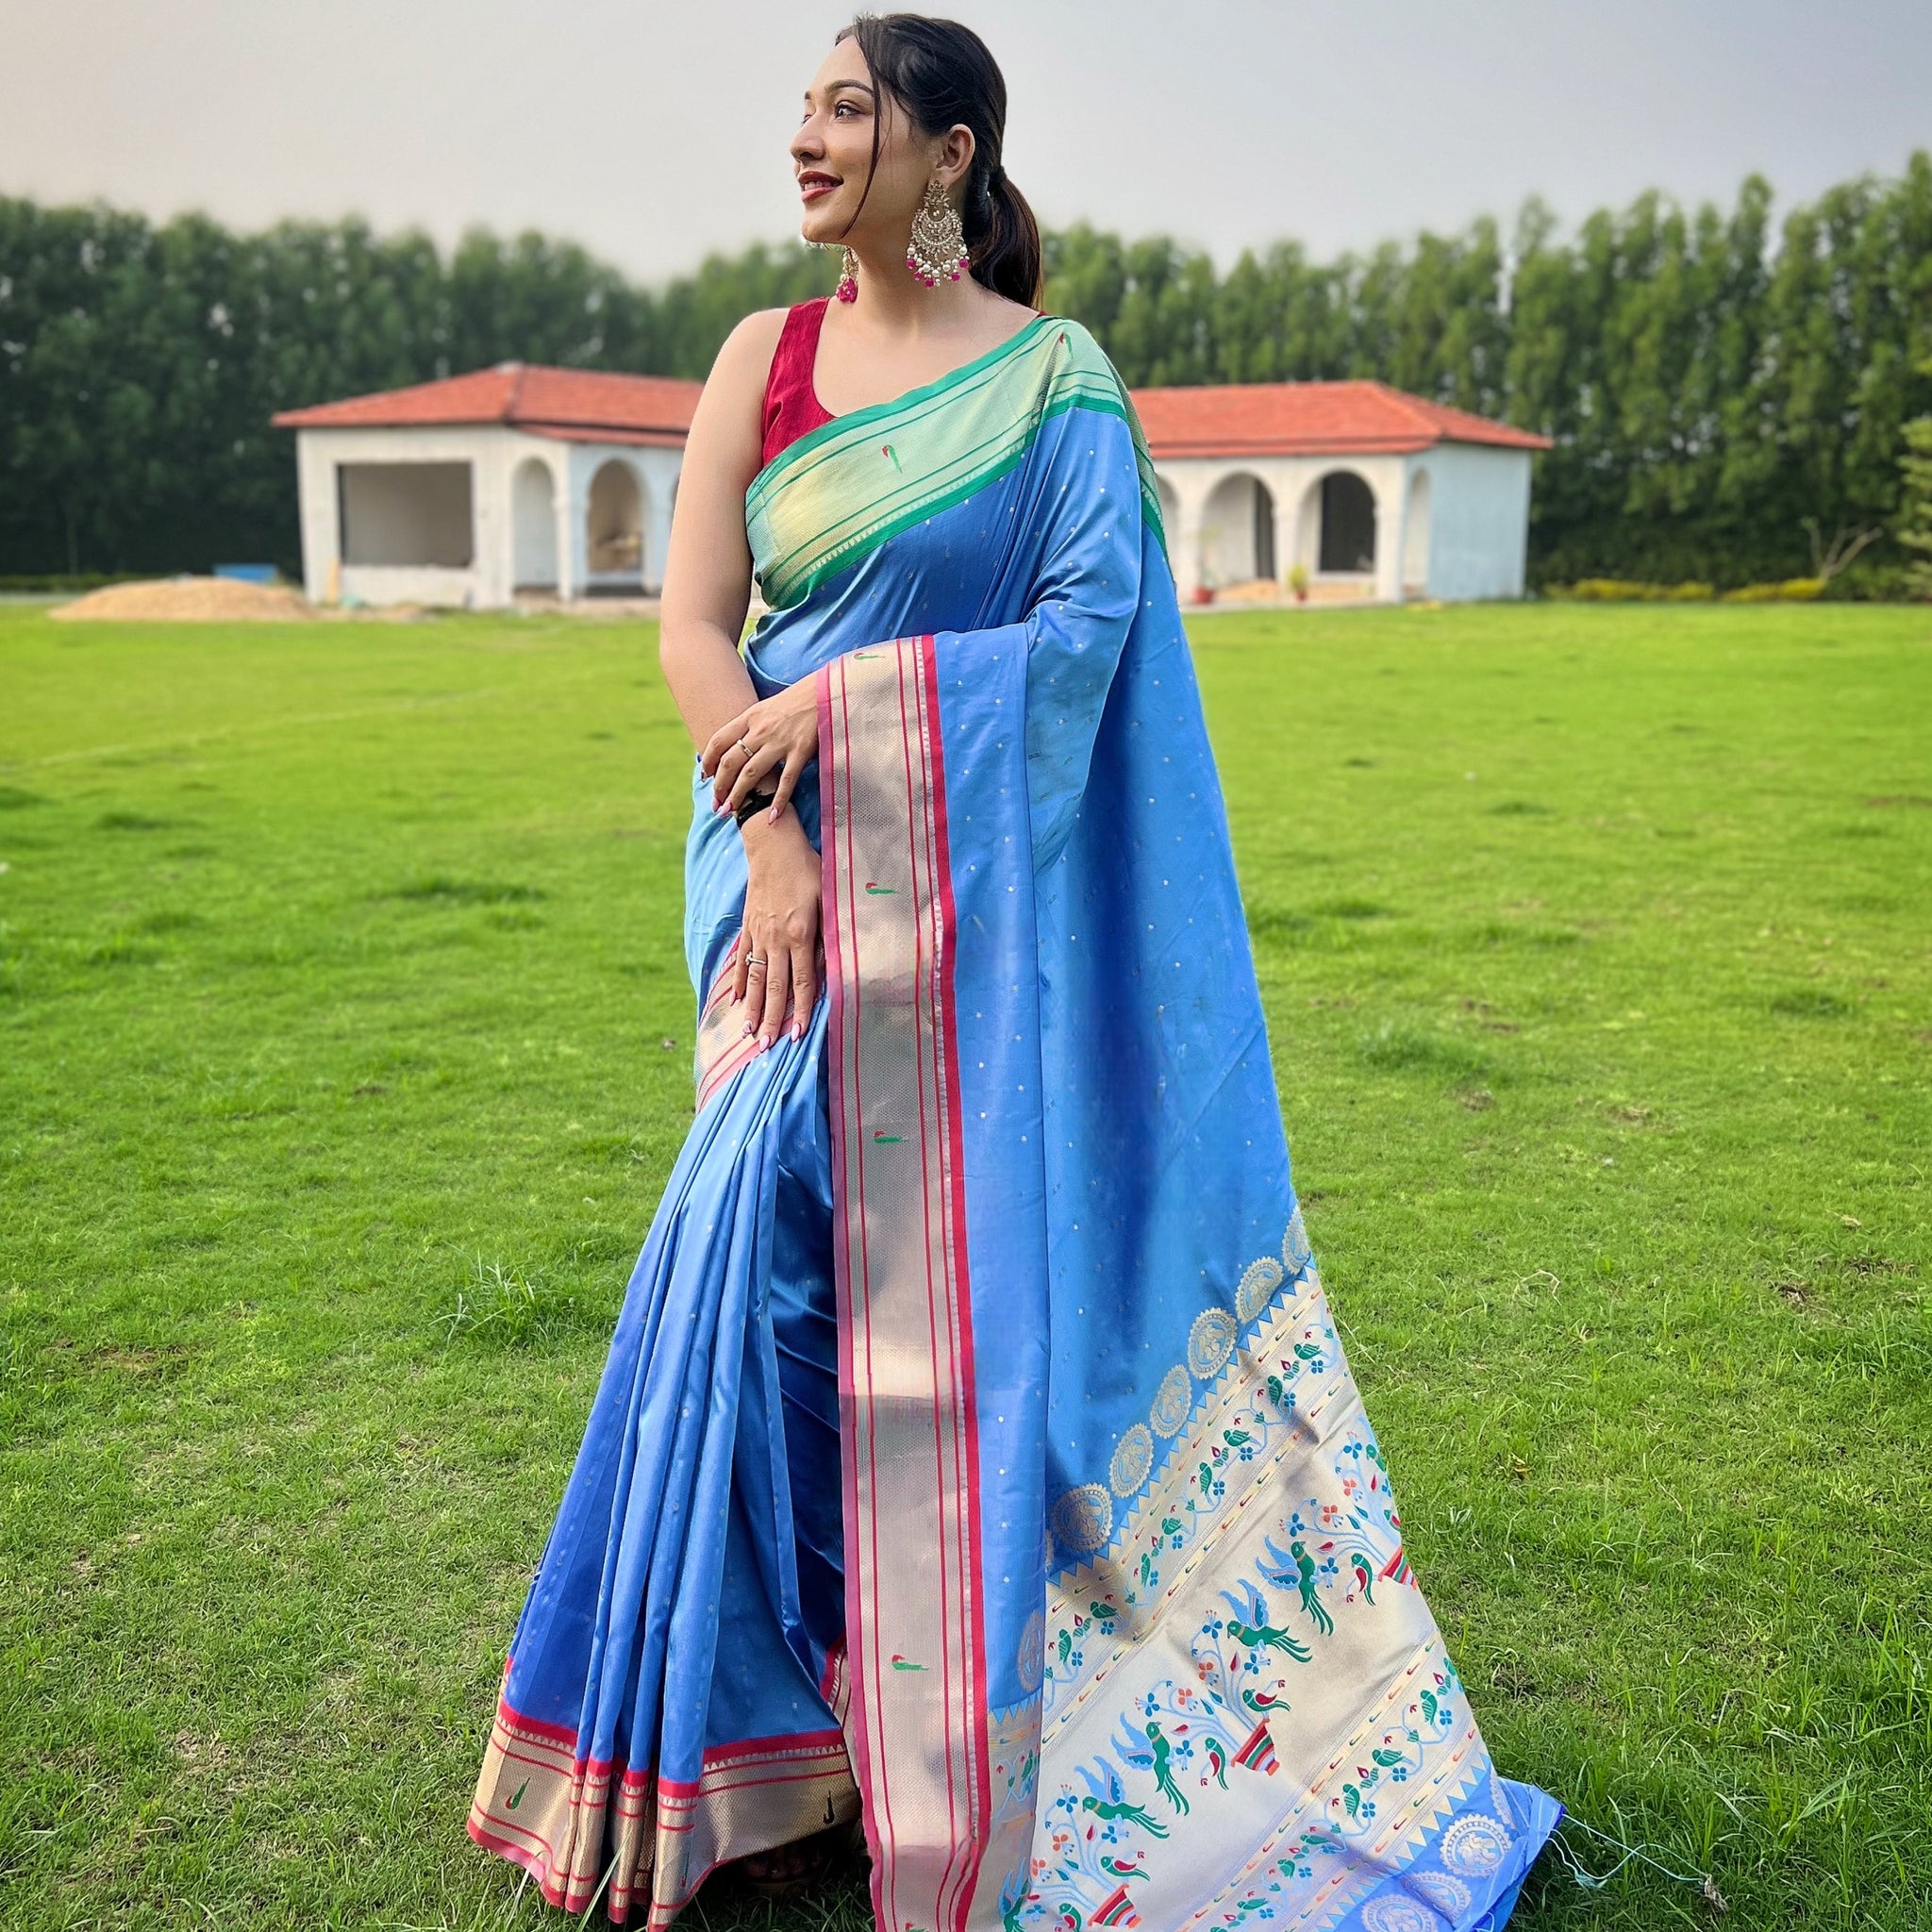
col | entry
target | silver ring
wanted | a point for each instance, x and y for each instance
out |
(755, 960)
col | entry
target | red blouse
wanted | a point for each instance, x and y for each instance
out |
(791, 406)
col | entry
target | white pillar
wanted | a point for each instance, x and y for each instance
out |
(569, 530)
(657, 539)
(1392, 531)
(1191, 491)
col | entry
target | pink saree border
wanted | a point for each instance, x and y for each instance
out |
(909, 1434)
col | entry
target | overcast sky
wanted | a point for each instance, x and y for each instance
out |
(654, 133)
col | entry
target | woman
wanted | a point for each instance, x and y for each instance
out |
(976, 1454)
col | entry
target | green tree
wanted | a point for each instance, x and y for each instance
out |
(1721, 402)
(1915, 507)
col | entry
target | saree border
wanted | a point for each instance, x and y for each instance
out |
(827, 501)
(639, 1838)
(917, 1722)
(767, 480)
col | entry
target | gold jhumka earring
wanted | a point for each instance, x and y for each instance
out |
(937, 248)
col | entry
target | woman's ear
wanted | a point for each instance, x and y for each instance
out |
(955, 151)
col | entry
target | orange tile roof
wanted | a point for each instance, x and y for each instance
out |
(573, 403)
(1296, 419)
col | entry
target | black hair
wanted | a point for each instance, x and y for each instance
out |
(945, 76)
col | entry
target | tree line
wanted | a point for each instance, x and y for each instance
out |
(1725, 389)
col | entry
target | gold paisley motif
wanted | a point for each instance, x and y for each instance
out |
(1030, 1664)
(1210, 1342)
(1171, 1402)
(1295, 1252)
(1257, 1286)
(1132, 1459)
(1083, 1519)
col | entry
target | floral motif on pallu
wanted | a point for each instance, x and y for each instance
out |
(1318, 1718)
(1210, 1342)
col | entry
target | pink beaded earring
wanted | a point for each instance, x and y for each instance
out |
(937, 248)
(847, 289)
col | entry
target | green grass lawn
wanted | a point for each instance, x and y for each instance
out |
(344, 1047)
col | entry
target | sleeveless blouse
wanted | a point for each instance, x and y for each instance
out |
(791, 406)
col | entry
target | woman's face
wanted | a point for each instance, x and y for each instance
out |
(831, 155)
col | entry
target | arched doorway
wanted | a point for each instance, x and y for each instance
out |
(1238, 532)
(533, 526)
(1347, 543)
(1415, 538)
(614, 528)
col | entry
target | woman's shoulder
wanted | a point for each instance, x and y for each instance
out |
(1081, 358)
(744, 358)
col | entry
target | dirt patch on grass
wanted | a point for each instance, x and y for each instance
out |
(188, 600)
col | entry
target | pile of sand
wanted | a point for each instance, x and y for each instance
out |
(189, 600)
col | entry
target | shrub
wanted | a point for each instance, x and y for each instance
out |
(1624, 590)
(1793, 591)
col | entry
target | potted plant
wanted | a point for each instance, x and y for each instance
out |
(1298, 582)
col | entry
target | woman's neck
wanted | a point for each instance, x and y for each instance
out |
(893, 301)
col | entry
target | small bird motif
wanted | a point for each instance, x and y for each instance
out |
(1266, 1637)
(1163, 1776)
(1217, 1763)
(1310, 1591)
(1365, 1576)
(1134, 1814)
(1107, 1799)
(904, 1663)
(518, 1798)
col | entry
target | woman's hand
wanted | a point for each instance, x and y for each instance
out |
(773, 741)
(778, 943)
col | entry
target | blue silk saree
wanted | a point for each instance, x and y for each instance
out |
(976, 1453)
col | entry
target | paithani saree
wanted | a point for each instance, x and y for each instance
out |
(976, 1453)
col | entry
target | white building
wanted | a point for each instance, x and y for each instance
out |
(1376, 494)
(557, 482)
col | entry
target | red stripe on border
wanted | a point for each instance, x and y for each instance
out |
(949, 1035)
(913, 727)
(834, 732)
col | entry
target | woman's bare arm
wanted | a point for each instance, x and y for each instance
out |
(708, 573)
(706, 592)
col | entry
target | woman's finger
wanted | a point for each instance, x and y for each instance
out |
(729, 765)
(750, 966)
(788, 783)
(751, 774)
(804, 983)
(777, 984)
(721, 741)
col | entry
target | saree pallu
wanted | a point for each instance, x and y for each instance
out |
(977, 1451)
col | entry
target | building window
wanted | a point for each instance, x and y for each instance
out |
(407, 514)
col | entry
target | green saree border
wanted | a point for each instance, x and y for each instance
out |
(792, 453)
(819, 506)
